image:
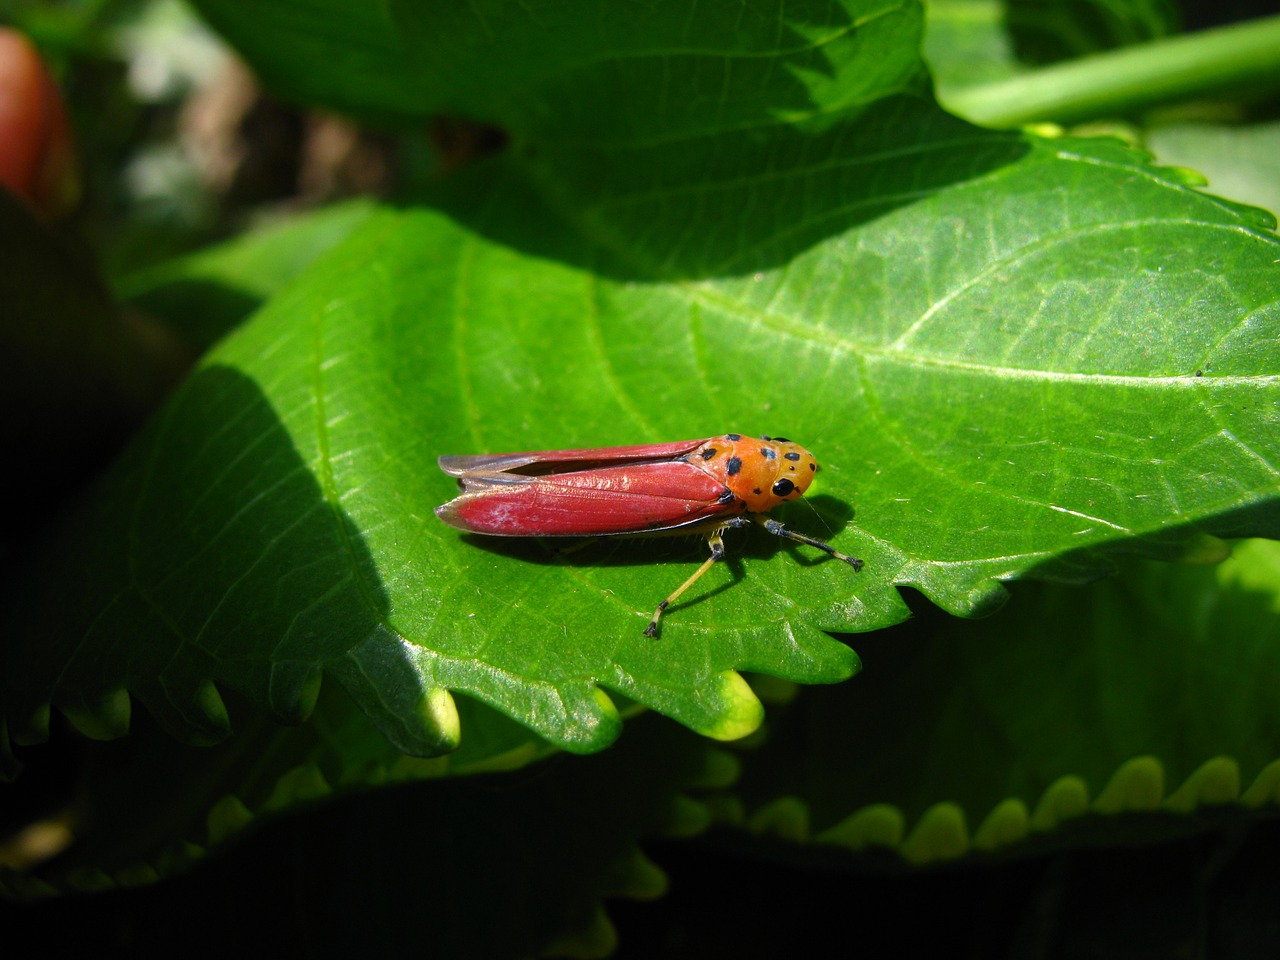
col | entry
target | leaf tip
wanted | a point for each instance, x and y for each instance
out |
(1008, 823)
(1064, 799)
(292, 690)
(1203, 548)
(876, 825)
(740, 711)
(106, 717)
(1137, 785)
(941, 834)
(786, 818)
(226, 818)
(29, 728)
(597, 938)
(1265, 789)
(1216, 782)
(438, 713)
(210, 721)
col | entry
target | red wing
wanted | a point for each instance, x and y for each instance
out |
(632, 498)
(565, 461)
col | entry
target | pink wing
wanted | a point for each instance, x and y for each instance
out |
(541, 462)
(635, 497)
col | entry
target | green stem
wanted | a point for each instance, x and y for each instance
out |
(1132, 79)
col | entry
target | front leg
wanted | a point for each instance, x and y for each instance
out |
(716, 543)
(778, 530)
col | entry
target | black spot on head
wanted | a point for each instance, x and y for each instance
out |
(756, 491)
(783, 488)
(709, 453)
(791, 456)
(768, 453)
(734, 467)
(735, 437)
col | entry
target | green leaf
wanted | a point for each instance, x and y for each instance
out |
(540, 851)
(1013, 357)
(1154, 693)
(153, 803)
(204, 295)
(588, 70)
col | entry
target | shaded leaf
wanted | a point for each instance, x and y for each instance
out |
(203, 295)
(540, 850)
(1155, 695)
(588, 70)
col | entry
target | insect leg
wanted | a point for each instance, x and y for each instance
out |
(778, 530)
(717, 553)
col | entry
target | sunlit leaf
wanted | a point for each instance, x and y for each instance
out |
(1013, 357)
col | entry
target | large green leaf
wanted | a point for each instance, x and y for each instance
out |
(540, 851)
(1155, 696)
(587, 71)
(1013, 356)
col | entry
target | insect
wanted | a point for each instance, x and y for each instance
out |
(697, 486)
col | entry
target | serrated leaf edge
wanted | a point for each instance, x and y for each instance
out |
(941, 833)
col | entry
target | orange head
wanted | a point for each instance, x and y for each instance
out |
(761, 473)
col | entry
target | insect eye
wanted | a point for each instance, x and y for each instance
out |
(783, 488)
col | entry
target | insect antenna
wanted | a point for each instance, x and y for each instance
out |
(821, 519)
